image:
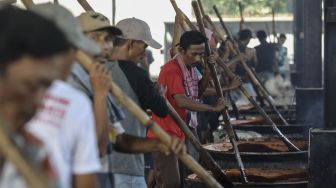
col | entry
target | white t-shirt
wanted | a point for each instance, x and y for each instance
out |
(65, 123)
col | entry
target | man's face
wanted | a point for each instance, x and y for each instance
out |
(104, 40)
(136, 50)
(282, 40)
(193, 55)
(23, 85)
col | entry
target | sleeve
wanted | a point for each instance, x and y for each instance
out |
(174, 83)
(85, 151)
(149, 96)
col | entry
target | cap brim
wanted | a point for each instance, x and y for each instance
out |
(88, 46)
(154, 44)
(111, 29)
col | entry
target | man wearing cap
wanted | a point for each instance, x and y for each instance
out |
(30, 46)
(180, 77)
(65, 121)
(267, 64)
(97, 27)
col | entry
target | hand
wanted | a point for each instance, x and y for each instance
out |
(176, 146)
(235, 82)
(221, 105)
(100, 79)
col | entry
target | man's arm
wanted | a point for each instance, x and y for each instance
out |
(100, 79)
(131, 144)
(85, 181)
(183, 101)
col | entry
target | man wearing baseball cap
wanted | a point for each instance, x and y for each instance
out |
(65, 121)
(127, 50)
(97, 27)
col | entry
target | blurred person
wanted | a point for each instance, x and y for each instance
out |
(281, 56)
(65, 121)
(30, 48)
(267, 65)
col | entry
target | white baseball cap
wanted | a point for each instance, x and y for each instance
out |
(133, 28)
(67, 23)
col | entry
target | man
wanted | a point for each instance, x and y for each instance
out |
(65, 121)
(267, 65)
(97, 27)
(30, 46)
(281, 55)
(179, 76)
(250, 56)
(137, 85)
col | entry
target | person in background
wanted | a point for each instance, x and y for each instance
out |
(267, 65)
(282, 59)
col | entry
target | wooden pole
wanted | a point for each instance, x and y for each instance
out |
(225, 112)
(27, 3)
(86, 6)
(185, 18)
(114, 9)
(242, 21)
(132, 107)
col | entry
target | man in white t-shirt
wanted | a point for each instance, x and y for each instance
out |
(65, 122)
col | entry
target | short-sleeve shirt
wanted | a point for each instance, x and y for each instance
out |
(65, 123)
(172, 77)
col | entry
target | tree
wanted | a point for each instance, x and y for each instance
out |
(252, 8)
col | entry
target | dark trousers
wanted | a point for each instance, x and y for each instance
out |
(166, 168)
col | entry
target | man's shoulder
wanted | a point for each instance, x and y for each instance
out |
(130, 66)
(66, 91)
(171, 65)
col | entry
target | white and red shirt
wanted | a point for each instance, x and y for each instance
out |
(65, 123)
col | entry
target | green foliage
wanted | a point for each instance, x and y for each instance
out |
(251, 8)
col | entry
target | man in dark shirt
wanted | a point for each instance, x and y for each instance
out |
(266, 66)
(127, 49)
(131, 47)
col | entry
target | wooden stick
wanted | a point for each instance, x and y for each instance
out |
(225, 112)
(185, 18)
(27, 3)
(34, 177)
(273, 27)
(290, 145)
(132, 107)
(86, 6)
(177, 34)
(242, 21)
(205, 156)
(114, 9)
